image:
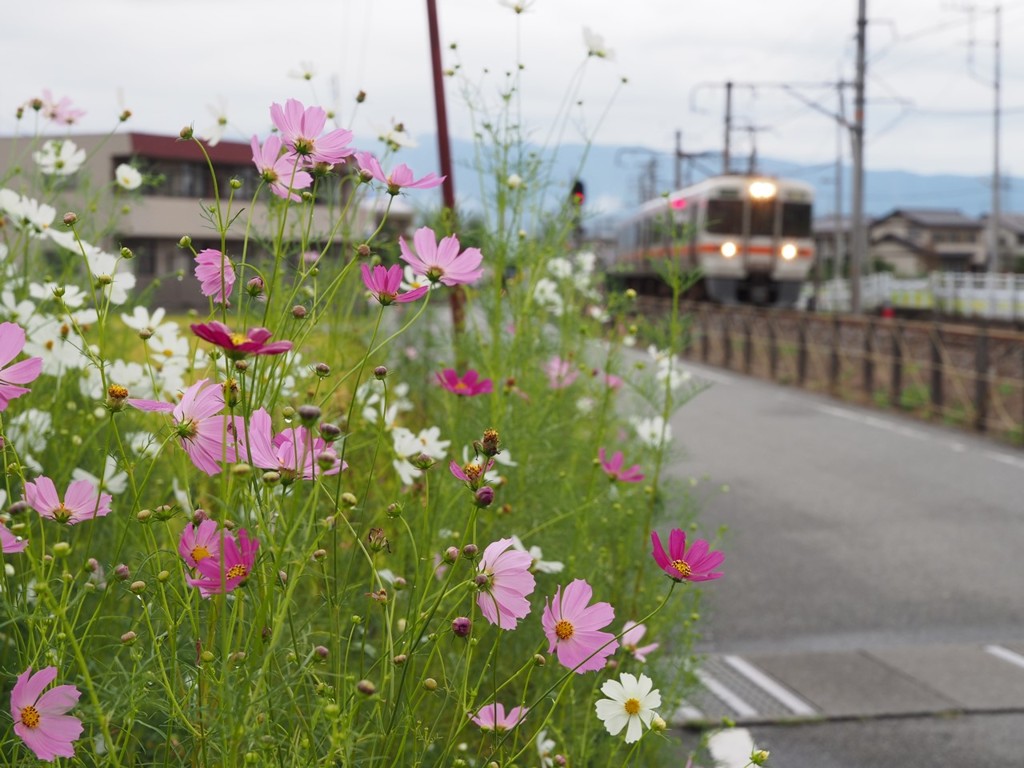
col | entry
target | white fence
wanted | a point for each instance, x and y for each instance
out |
(996, 296)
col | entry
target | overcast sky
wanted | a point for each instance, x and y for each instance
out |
(168, 60)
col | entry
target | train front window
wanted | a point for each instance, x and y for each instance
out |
(725, 217)
(762, 217)
(796, 219)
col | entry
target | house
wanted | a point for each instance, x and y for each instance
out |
(833, 243)
(175, 199)
(1011, 241)
(914, 241)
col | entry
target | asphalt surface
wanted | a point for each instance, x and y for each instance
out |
(874, 575)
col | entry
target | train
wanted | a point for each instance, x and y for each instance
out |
(745, 239)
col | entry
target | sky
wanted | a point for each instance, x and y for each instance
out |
(930, 94)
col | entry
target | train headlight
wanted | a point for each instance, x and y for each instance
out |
(789, 251)
(761, 190)
(728, 249)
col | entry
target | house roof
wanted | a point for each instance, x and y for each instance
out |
(151, 145)
(829, 223)
(933, 217)
(1012, 221)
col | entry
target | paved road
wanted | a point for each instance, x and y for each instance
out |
(875, 580)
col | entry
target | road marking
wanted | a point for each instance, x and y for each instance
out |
(726, 696)
(1006, 655)
(1013, 461)
(687, 713)
(769, 685)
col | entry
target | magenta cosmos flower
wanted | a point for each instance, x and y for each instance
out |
(441, 262)
(216, 274)
(239, 345)
(206, 433)
(502, 598)
(492, 717)
(632, 634)
(560, 372)
(81, 501)
(613, 468)
(280, 172)
(199, 542)
(301, 128)
(468, 385)
(385, 283)
(220, 575)
(12, 341)
(472, 473)
(573, 628)
(9, 543)
(696, 564)
(294, 452)
(39, 718)
(400, 178)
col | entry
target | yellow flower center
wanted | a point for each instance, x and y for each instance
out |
(564, 630)
(30, 717)
(199, 553)
(61, 514)
(237, 571)
(632, 706)
(117, 392)
(238, 338)
(683, 567)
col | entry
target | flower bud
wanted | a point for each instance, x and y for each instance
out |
(70, 218)
(470, 551)
(363, 251)
(128, 638)
(380, 372)
(430, 684)
(235, 183)
(127, 253)
(759, 756)
(322, 370)
(271, 478)
(451, 554)
(321, 651)
(255, 287)
(399, 659)
(185, 241)
(423, 461)
(377, 540)
(206, 656)
(462, 626)
(360, 97)
(298, 312)
(394, 510)
(481, 581)
(484, 496)
(122, 572)
(163, 576)
(138, 587)
(186, 133)
(539, 659)
(61, 549)
(319, 554)
(308, 414)
(366, 688)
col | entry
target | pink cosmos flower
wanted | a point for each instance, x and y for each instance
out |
(400, 178)
(293, 453)
(60, 111)
(697, 564)
(632, 634)
(216, 274)
(441, 262)
(219, 576)
(12, 341)
(503, 600)
(472, 473)
(492, 717)
(81, 501)
(239, 345)
(300, 129)
(560, 372)
(206, 434)
(39, 718)
(573, 628)
(281, 172)
(384, 284)
(468, 385)
(199, 542)
(613, 468)
(9, 543)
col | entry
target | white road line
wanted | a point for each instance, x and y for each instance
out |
(1005, 458)
(872, 421)
(687, 713)
(726, 696)
(769, 685)
(1006, 655)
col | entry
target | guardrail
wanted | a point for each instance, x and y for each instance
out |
(964, 294)
(962, 375)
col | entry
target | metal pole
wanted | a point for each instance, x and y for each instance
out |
(857, 227)
(728, 126)
(678, 177)
(841, 236)
(993, 229)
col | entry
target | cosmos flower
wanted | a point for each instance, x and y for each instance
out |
(81, 500)
(632, 634)
(468, 385)
(199, 542)
(294, 452)
(216, 274)
(560, 372)
(222, 575)
(12, 341)
(9, 543)
(631, 701)
(59, 157)
(502, 600)
(384, 284)
(59, 110)
(281, 172)
(538, 563)
(239, 345)
(301, 128)
(573, 628)
(441, 262)
(40, 719)
(613, 468)
(472, 472)
(492, 717)
(127, 177)
(400, 178)
(653, 432)
(696, 564)
(596, 45)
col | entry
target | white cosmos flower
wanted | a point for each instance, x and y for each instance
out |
(545, 749)
(30, 430)
(535, 553)
(596, 45)
(653, 431)
(73, 296)
(631, 701)
(545, 293)
(127, 177)
(560, 267)
(115, 480)
(213, 134)
(115, 283)
(59, 157)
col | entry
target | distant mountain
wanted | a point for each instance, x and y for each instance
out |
(618, 177)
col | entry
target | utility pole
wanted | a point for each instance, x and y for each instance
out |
(857, 228)
(993, 229)
(677, 176)
(728, 126)
(837, 269)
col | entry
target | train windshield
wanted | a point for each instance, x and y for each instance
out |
(725, 217)
(796, 219)
(762, 217)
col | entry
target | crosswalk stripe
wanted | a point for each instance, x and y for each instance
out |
(1006, 655)
(783, 695)
(726, 696)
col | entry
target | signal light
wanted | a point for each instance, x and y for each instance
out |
(577, 194)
